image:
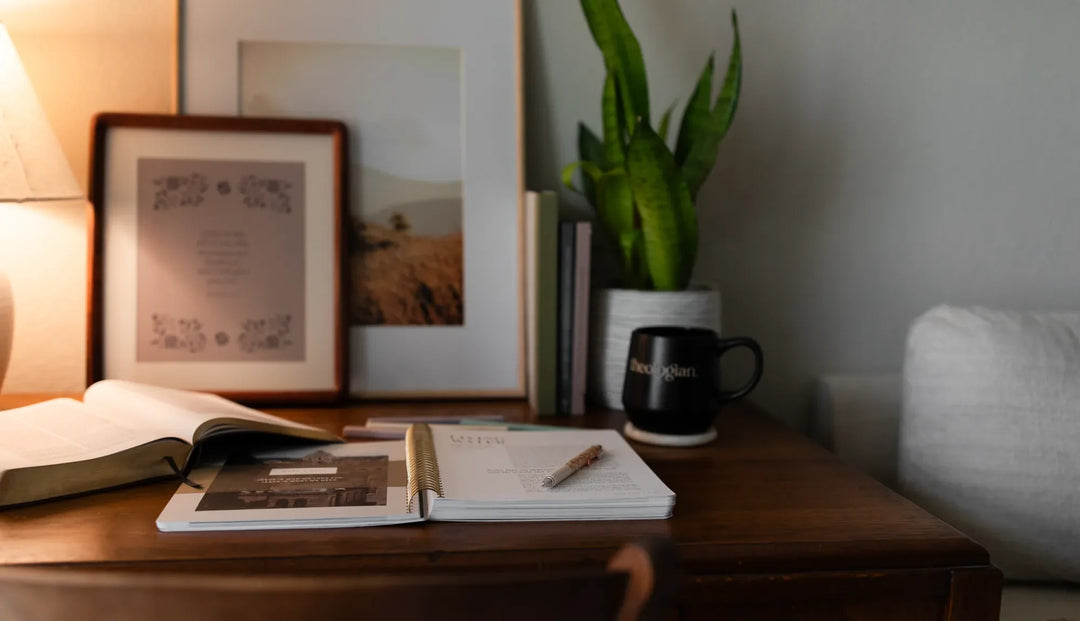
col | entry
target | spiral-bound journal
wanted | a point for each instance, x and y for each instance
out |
(439, 472)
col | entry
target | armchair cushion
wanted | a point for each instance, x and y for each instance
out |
(989, 434)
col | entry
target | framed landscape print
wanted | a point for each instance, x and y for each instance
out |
(430, 93)
(217, 255)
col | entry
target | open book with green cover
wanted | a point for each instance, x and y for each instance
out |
(121, 432)
(439, 472)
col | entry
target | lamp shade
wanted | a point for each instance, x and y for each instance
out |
(32, 164)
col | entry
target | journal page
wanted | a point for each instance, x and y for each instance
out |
(486, 465)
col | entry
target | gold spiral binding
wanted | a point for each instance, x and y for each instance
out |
(420, 464)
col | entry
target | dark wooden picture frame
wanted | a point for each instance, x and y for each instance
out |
(204, 231)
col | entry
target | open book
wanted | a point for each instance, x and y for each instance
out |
(121, 432)
(439, 472)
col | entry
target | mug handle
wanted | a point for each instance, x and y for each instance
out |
(741, 341)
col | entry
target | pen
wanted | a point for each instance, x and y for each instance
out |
(586, 457)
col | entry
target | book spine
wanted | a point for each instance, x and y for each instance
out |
(580, 344)
(542, 293)
(564, 374)
(532, 253)
(548, 282)
(421, 467)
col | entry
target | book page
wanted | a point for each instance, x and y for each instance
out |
(176, 413)
(508, 466)
(65, 430)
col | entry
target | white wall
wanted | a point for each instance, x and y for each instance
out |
(886, 157)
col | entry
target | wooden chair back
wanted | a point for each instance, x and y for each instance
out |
(639, 583)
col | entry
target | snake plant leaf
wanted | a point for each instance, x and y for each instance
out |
(703, 149)
(635, 272)
(615, 202)
(589, 150)
(590, 172)
(614, 146)
(615, 209)
(728, 100)
(622, 57)
(668, 220)
(640, 278)
(696, 117)
(665, 121)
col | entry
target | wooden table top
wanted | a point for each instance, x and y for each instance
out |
(759, 498)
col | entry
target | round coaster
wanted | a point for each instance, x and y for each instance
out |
(664, 439)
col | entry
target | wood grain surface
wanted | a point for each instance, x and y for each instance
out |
(768, 524)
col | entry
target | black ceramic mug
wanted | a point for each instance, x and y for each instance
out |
(672, 383)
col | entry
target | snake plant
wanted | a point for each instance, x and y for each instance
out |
(643, 191)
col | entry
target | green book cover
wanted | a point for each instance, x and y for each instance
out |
(542, 266)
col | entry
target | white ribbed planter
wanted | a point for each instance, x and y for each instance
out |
(615, 315)
(7, 323)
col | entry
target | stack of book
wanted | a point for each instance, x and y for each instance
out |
(557, 284)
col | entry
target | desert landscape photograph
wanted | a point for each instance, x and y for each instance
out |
(402, 105)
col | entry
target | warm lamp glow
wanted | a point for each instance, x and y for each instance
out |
(32, 165)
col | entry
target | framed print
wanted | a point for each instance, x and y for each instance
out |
(430, 93)
(217, 255)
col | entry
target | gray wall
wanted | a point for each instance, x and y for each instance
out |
(887, 156)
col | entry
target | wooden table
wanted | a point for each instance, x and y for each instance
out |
(770, 526)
